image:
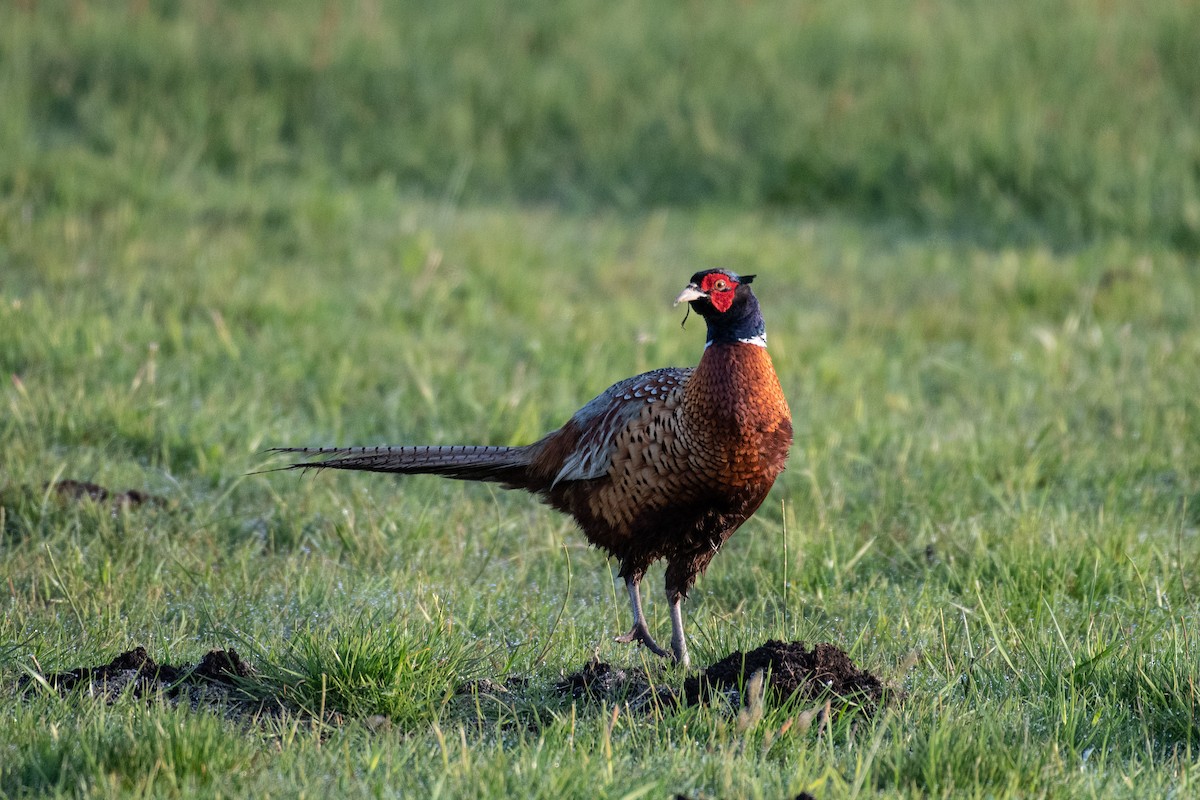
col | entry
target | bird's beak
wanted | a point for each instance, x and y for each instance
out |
(691, 292)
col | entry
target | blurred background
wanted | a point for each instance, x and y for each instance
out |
(1017, 121)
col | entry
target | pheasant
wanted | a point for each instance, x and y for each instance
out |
(663, 465)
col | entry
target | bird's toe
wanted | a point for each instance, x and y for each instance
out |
(639, 633)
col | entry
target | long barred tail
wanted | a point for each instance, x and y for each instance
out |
(465, 462)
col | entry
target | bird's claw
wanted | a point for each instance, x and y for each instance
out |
(639, 633)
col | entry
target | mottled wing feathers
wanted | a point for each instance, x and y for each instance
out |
(649, 466)
(600, 425)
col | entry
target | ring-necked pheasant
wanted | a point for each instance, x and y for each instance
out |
(664, 465)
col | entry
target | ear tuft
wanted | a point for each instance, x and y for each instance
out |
(748, 278)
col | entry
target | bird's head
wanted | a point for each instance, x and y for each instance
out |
(727, 304)
(715, 291)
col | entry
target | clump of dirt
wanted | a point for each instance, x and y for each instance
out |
(71, 489)
(824, 672)
(214, 678)
(792, 669)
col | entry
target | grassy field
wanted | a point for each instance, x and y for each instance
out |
(224, 229)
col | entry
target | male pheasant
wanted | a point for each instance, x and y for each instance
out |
(664, 465)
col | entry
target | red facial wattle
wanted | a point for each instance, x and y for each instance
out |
(720, 290)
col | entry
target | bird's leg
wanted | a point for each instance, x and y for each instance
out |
(639, 632)
(678, 643)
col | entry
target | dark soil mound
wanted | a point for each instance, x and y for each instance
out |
(212, 678)
(824, 672)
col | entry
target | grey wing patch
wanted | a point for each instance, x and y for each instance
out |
(607, 416)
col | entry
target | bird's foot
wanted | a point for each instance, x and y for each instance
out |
(639, 633)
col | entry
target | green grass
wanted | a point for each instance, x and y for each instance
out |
(220, 236)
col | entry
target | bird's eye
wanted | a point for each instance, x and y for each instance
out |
(720, 285)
